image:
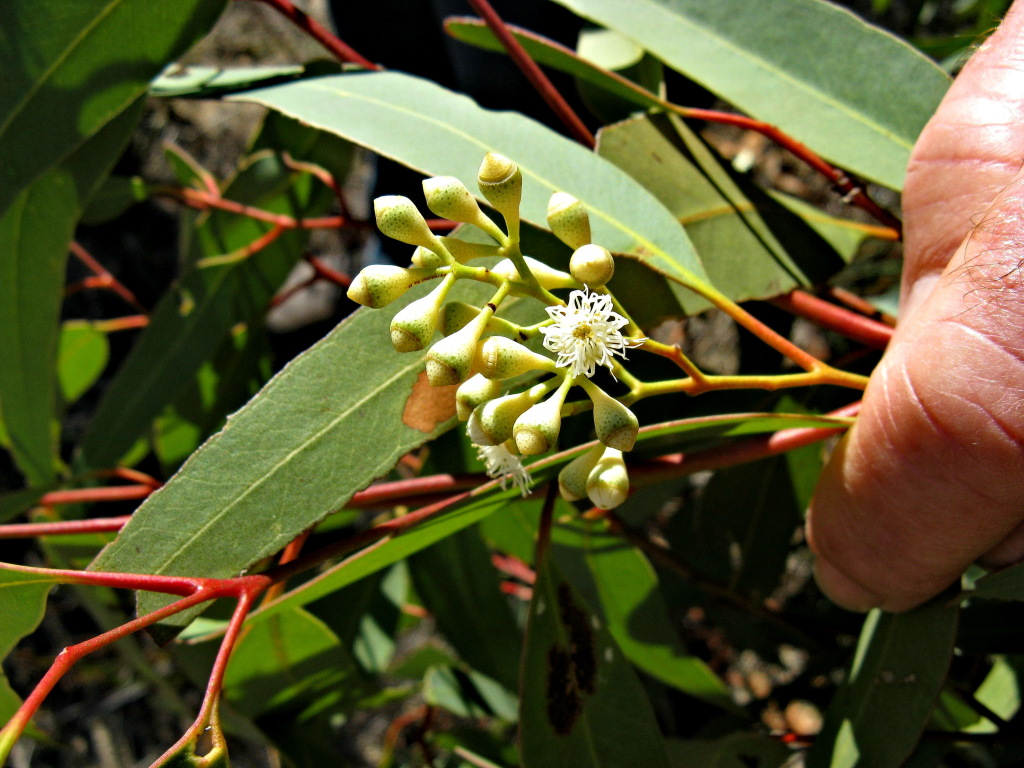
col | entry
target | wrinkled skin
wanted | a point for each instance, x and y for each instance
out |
(931, 478)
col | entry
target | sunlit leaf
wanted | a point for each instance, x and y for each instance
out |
(788, 63)
(35, 232)
(440, 132)
(82, 353)
(22, 602)
(70, 68)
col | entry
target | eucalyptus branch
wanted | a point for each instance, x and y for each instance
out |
(334, 45)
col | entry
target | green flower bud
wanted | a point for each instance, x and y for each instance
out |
(450, 360)
(456, 315)
(473, 392)
(424, 257)
(400, 219)
(501, 182)
(500, 358)
(448, 197)
(492, 422)
(379, 284)
(548, 277)
(414, 325)
(536, 431)
(615, 424)
(572, 480)
(568, 220)
(608, 481)
(592, 264)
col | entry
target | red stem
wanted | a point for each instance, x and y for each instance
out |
(739, 452)
(95, 525)
(104, 279)
(334, 45)
(534, 74)
(869, 332)
(86, 495)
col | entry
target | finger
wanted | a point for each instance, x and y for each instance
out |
(932, 475)
(966, 154)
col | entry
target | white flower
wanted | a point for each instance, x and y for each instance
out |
(585, 333)
(502, 463)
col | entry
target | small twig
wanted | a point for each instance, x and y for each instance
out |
(859, 304)
(103, 278)
(127, 323)
(534, 74)
(334, 45)
(326, 178)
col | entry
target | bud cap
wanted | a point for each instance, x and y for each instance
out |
(592, 264)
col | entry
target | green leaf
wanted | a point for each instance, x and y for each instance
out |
(581, 703)
(193, 318)
(337, 417)
(741, 531)
(292, 662)
(751, 245)
(623, 588)
(459, 586)
(877, 717)
(35, 232)
(389, 551)
(72, 66)
(1005, 584)
(208, 82)
(552, 54)
(22, 603)
(737, 750)
(221, 386)
(787, 63)
(440, 132)
(82, 353)
(14, 503)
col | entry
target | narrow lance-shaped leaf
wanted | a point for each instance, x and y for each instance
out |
(581, 704)
(788, 62)
(877, 717)
(35, 233)
(440, 132)
(337, 417)
(70, 68)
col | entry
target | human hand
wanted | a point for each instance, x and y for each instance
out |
(931, 478)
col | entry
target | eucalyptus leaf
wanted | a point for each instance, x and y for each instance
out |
(70, 68)
(440, 132)
(580, 703)
(877, 716)
(788, 63)
(35, 233)
(22, 602)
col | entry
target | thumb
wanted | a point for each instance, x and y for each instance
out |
(932, 475)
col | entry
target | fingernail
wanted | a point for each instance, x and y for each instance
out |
(842, 590)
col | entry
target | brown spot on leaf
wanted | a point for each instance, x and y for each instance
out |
(572, 672)
(581, 641)
(428, 406)
(564, 704)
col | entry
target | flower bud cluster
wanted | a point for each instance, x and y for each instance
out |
(477, 350)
